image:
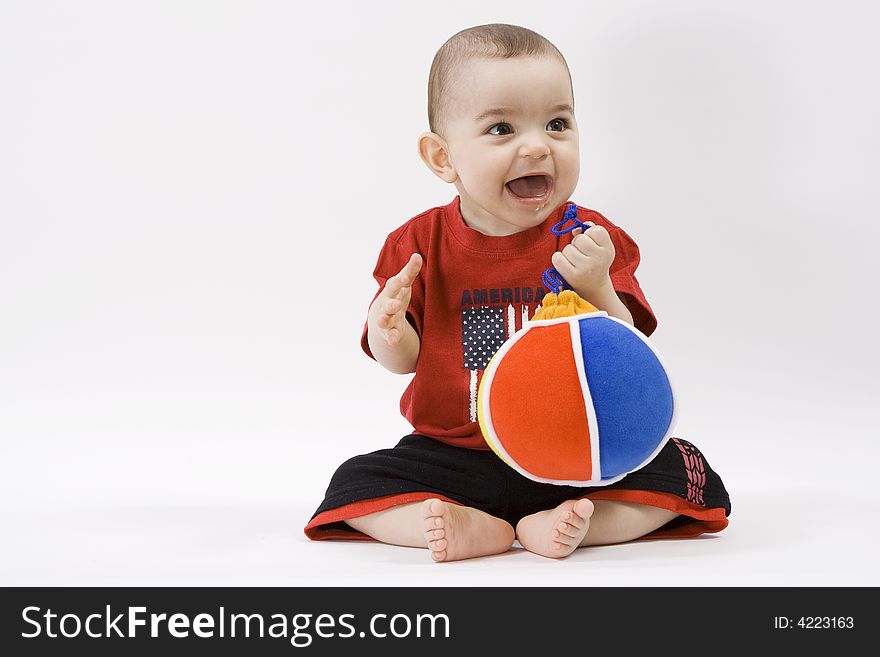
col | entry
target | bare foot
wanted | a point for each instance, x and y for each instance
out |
(556, 532)
(460, 532)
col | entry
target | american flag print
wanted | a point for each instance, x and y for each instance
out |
(483, 330)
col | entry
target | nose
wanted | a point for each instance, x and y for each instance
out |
(534, 145)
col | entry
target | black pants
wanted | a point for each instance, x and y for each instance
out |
(678, 478)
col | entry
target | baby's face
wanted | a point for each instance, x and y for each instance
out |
(512, 141)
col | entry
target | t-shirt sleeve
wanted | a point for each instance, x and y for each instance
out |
(623, 277)
(392, 258)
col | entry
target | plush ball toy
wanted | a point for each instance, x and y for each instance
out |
(609, 406)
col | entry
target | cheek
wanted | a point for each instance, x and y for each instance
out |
(571, 158)
(484, 167)
(497, 164)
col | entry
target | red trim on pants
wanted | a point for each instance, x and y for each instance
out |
(317, 532)
(703, 520)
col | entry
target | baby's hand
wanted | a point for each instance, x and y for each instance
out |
(388, 312)
(585, 262)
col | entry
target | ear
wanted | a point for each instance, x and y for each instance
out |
(435, 154)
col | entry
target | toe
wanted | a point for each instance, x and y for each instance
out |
(575, 520)
(567, 529)
(583, 508)
(433, 523)
(433, 534)
(428, 509)
(428, 517)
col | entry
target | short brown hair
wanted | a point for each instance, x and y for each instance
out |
(492, 40)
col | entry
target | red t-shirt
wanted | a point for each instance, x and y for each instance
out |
(472, 293)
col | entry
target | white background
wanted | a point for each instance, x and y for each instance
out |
(192, 199)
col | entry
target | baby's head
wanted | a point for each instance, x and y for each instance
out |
(502, 126)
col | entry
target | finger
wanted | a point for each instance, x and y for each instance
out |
(576, 257)
(393, 286)
(413, 267)
(410, 270)
(385, 321)
(599, 235)
(404, 277)
(563, 266)
(404, 296)
(395, 306)
(392, 336)
(389, 320)
(592, 249)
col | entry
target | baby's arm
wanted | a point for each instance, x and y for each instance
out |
(607, 299)
(392, 339)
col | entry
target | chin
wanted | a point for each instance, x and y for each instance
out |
(547, 208)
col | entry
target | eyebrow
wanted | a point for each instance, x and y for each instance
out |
(500, 111)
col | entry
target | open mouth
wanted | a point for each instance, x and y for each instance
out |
(531, 188)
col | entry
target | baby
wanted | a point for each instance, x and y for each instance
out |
(455, 282)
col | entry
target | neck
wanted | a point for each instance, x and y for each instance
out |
(489, 225)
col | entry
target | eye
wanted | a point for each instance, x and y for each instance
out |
(504, 128)
(557, 125)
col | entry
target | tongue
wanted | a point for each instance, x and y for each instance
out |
(529, 186)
